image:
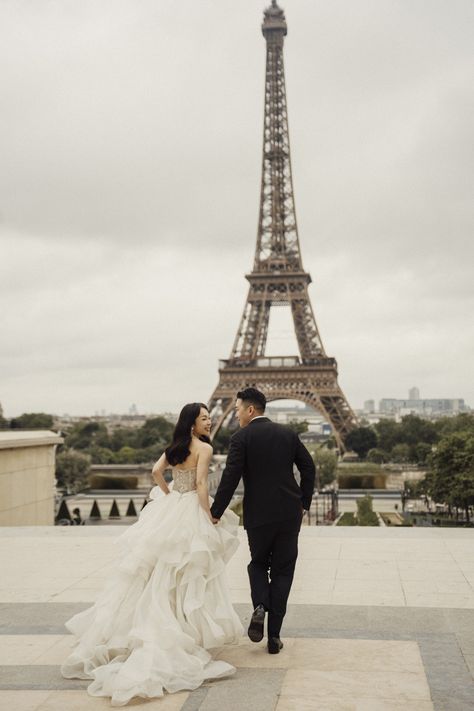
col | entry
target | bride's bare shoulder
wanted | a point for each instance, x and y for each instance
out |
(203, 447)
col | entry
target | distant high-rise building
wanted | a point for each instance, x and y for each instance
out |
(414, 394)
(132, 410)
(427, 408)
(369, 406)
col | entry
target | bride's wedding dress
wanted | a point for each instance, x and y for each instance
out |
(164, 606)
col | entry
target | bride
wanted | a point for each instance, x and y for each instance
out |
(167, 602)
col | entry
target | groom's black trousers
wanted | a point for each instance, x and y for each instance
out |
(273, 550)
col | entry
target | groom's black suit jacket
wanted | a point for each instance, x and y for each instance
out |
(263, 453)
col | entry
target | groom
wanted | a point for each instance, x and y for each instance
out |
(263, 453)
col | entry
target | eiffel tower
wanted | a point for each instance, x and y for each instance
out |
(278, 277)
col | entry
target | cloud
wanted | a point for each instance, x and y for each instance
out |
(131, 151)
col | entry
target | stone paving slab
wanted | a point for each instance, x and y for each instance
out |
(80, 701)
(37, 617)
(449, 677)
(38, 677)
(315, 684)
(402, 568)
(248, 690)
(26, 649)
(22, 700)
(379, 620)
(318, 640)
(301, 703)
(325, 654)
(317, 669)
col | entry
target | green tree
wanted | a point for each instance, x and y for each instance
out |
(421, 452)
(451, 476)
(153, 453)
(326, 465)
(388, 434)
(156, 430)
(71, 470)
(127, 455)
(85, 435)
(101, 455)
(32, 421)
(400, 453)
(298, 426)
(125, 445)
(377, 456)
(221, 440)
(365, 513)
(331, 443)
(361, 440)
(462, 492)
(414, 430)
(463, 422)
(416, 488)
(123, 437)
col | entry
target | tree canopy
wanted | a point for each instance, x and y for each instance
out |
(361, 440)
(326, 465)
(125, 445)
(71, 470)
(297, 426)
(451, 477)
(410, 441)
(32, 421)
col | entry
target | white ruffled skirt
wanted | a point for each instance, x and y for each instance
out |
(166, 604)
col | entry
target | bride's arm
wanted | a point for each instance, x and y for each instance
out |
(201, 477)
(157, 473)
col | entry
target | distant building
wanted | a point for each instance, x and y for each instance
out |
(431, 407)
(317, 424)
(112, 421)
(414, 394)
(369, 406)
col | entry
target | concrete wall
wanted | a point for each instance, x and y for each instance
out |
(27, 465)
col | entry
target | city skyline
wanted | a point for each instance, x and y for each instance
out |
(129, 196)
(369, 405)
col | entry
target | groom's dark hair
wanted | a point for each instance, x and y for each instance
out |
(252, 396)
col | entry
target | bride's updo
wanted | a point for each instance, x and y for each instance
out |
(178, 451)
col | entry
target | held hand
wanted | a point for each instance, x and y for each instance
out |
(215, 520)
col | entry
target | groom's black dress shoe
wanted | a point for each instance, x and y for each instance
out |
(255, 630)
(274, 645)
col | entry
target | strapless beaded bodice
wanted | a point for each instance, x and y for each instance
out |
(184, 479)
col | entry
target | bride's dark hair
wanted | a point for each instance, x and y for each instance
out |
(178, 451)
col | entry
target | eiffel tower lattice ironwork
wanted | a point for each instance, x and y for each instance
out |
(278, 277)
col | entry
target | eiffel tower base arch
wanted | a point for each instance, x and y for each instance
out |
(315, 385)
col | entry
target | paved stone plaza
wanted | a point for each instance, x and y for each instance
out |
(379, 620)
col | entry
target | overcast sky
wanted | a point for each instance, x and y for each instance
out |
(129, 187)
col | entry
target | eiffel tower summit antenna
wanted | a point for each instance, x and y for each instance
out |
(278, 277)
